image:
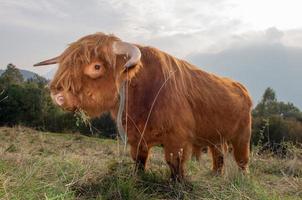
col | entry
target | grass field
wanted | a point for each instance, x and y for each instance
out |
(36, 165)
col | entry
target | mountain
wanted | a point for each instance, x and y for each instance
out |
(50, 74)
(258, 67)
(25, 73)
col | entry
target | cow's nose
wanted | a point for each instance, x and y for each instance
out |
(58, 99)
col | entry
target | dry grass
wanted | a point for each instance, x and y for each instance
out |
(37, 165)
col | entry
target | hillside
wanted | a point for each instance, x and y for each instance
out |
(36, 165)
(25, 73)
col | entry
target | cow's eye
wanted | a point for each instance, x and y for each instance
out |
(59, 88)
(97, 67)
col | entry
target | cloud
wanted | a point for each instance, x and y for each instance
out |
(34, 30)
(293, 38)
(259, 61)
(274, 35)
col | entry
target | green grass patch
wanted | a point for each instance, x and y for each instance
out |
(36, 165)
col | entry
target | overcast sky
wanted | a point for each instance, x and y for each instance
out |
(257, 42)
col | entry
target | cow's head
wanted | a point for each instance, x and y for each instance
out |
(90, 73)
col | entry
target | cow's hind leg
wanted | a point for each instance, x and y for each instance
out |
(140, 156)
(217, 157)
(241, 148)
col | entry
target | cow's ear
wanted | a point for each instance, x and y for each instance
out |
(130, 56)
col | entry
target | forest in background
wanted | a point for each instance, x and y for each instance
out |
(27, 102)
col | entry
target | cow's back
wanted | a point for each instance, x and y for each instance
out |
(210, 106)
(221, 106)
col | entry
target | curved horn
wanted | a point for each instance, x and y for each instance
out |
(48, 62)
(128, 49)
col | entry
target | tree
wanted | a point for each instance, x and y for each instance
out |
(268, 104)
(269, 96)
(275, 122)
(2, 97)
(11, 110)
(38, 80)
(11, 76)
(289, 110)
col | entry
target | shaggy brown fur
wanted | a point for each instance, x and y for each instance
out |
(169, 102)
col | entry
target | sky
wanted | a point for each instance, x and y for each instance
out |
(258, 43)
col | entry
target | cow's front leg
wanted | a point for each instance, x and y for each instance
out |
(140, 156)
(176, 156)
